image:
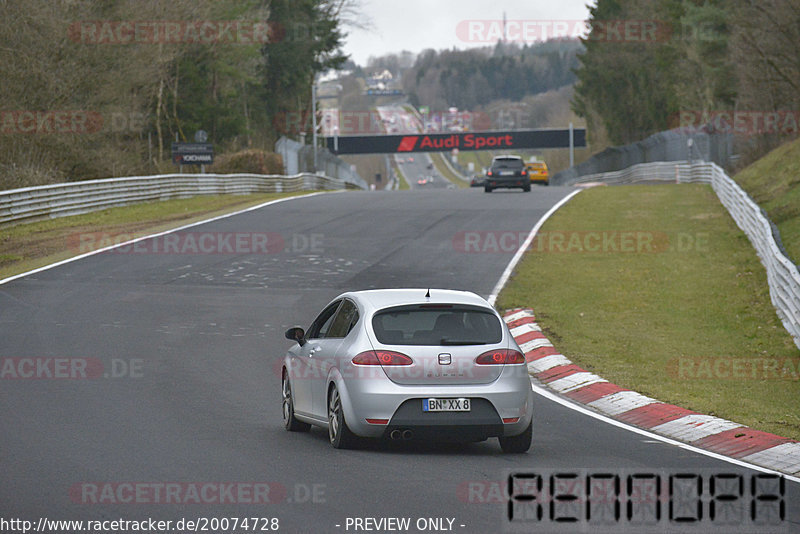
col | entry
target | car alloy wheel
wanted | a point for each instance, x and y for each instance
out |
(290, 422)
(339, 434)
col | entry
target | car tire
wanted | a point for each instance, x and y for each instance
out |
(487, 189)
(527, 188)
(290, 422)
(339, 434)
(518, 444)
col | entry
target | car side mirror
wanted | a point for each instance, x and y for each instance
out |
(296, 334)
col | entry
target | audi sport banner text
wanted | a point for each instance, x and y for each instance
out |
(442, 142)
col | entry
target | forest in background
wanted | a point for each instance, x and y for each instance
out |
(470, 79)
(706, 59)
(78, 101)
(94, 89)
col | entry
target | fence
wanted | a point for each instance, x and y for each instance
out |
(783, 276)
(298, 158)
(59, 200)
(671, 145)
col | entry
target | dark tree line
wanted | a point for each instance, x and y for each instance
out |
(233, 68)
(708, 57)
(470, 79)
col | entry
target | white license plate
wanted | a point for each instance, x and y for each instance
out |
(506, 173)
(445, 405)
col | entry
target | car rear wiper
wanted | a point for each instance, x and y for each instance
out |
(446, 341)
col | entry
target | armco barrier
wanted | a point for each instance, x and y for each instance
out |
(783, 276)
(669, 146)
(59, 200)
(662, 171)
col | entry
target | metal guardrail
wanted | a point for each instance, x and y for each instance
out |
(662, 171)
(672, 145)
(58, 200)
(783, 276)
(455, 168)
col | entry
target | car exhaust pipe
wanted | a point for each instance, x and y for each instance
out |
(407, 434)
(395, 434)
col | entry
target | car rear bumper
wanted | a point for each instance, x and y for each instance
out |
(516, 182)
(480, 423)
(510, 397)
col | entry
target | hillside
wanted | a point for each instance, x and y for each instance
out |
(774, 183)
(83, 96)
(468, 79)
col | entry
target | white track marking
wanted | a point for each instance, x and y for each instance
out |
(694, 426)
(534, 344)
(575, 381)
(791, 448)
(621, 401)
(111, 247)
(525, 328)
(548, 362)
(518, 256)
(544, 392)
(518, 315)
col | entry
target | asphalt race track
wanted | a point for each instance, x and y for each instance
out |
(414, 170)
(422, 165)
(195, 339)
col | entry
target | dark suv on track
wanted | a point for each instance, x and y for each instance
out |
(509, 172)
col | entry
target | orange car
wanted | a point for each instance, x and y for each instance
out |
(538, 172)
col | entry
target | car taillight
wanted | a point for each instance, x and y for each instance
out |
(524, 172)
(500, 357)
(381, 357)
(489, 173)
(386, 421)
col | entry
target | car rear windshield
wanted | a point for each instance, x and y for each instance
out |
(437, 324)
(508, 163)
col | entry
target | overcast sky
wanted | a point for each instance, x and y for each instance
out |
(415, 25)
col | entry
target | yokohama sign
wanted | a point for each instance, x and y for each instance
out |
(516, 139)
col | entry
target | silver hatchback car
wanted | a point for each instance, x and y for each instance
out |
(408, 363)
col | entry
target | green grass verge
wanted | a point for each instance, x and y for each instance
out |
(774, 183)
(687, 284)
(479, 159)
(403, 184)
(444, 170)
(29, 246)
